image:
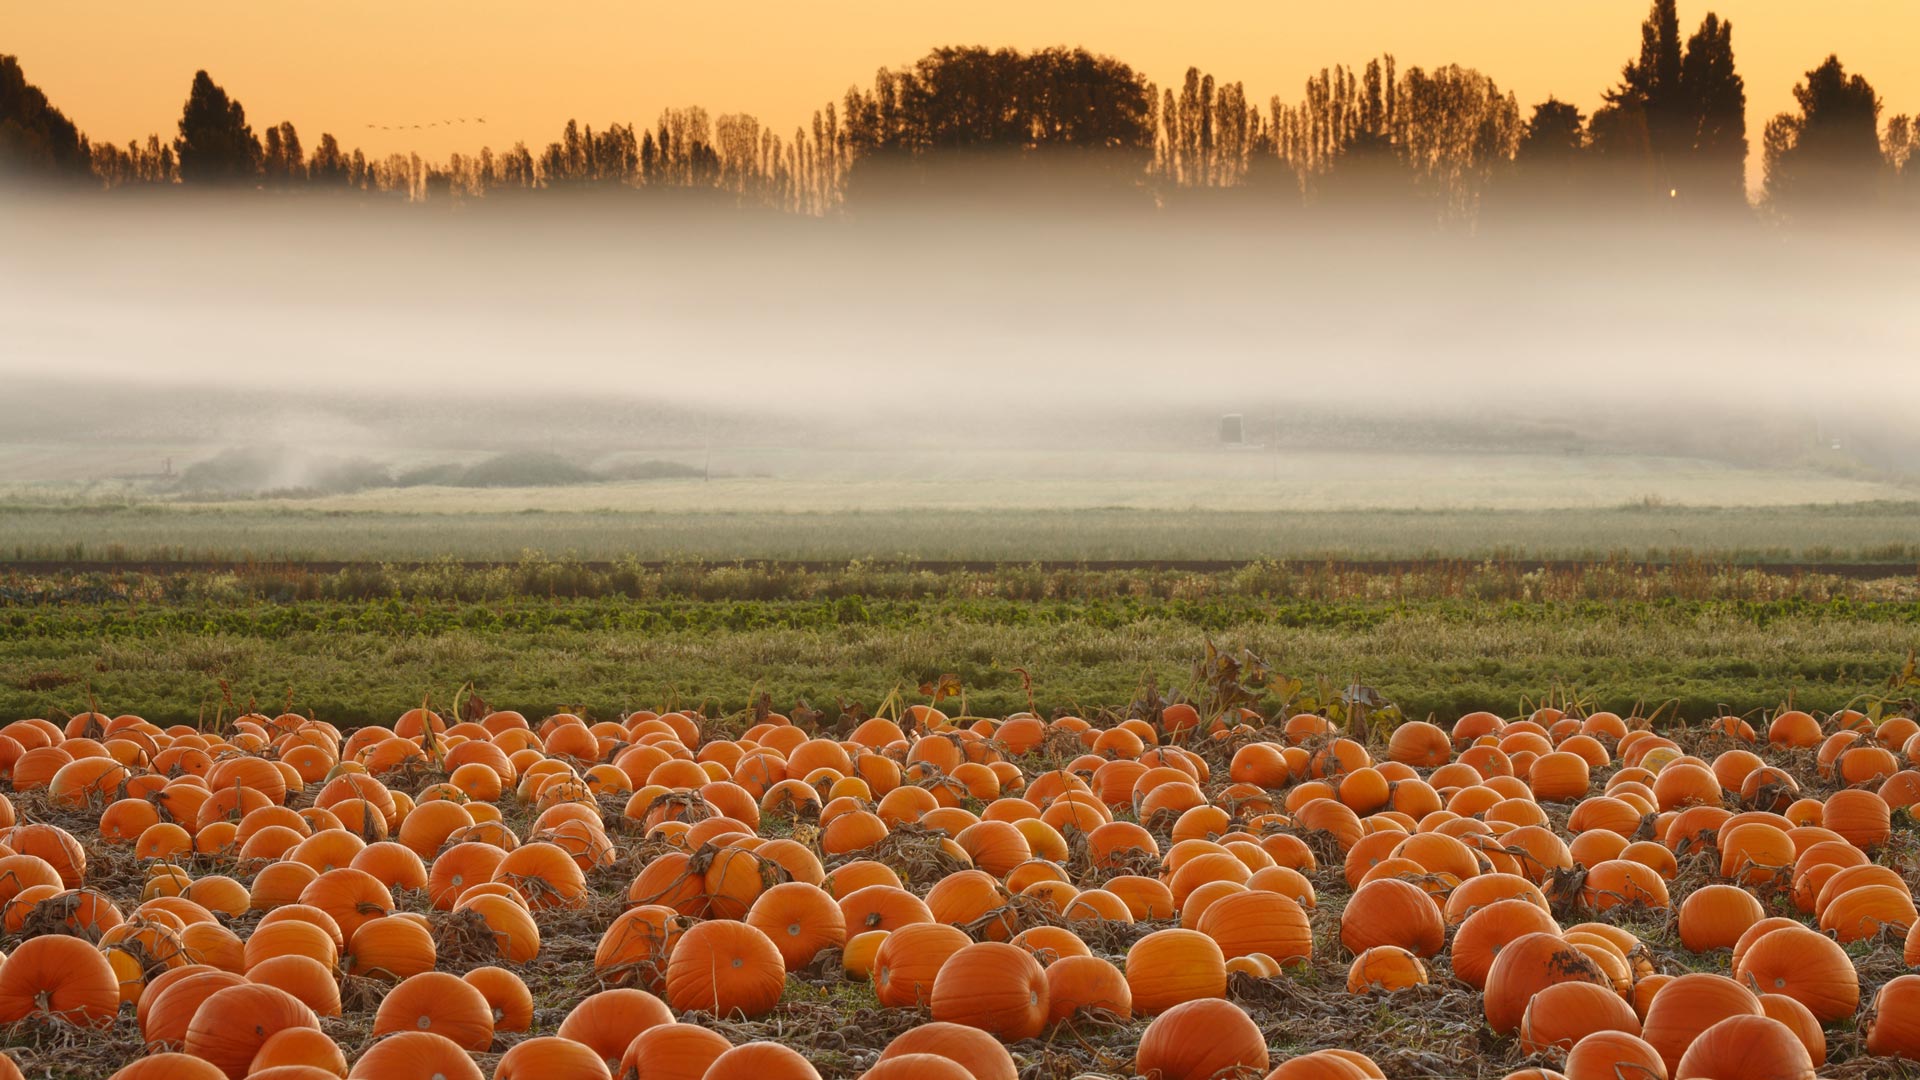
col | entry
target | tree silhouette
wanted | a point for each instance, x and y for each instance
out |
(1680, 112)
(215, 145)
(1828, 154)
(36, 139)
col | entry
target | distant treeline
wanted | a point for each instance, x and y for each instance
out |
(1446, 143)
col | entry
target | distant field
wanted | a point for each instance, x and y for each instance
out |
(1872, 532)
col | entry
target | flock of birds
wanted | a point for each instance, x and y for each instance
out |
(434, 124)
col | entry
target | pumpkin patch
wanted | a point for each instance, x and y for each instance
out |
(1192, 894)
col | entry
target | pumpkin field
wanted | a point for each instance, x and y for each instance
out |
(1165, 891)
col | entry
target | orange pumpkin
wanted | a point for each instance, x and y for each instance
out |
(58, 977)
(408, 1054)
(980, 1054)
(800, 919)
(608, 1022)
(1199, 1040)
(1168, 967)
(232, 1025)
(995, 987)
(438, 1003)
(723, 967)
(1750, 1047)
(910, 958)
(672, 1052)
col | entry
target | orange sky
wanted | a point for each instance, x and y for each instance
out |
(121, 69)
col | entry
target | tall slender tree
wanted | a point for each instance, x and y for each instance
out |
(216, 146)
(1681, 111)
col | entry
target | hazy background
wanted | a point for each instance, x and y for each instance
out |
(1079, 359)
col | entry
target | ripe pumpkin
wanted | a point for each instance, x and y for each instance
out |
(672, 1052)
(1078, 983)
(1564, 1013)
(299, 1046)
(1690, 1005)
(980, 1054)
(916, 1066)
(909, 959)
(438, 1003)
(303, 977)
(167, 1066)
(762, 1061)
(1482, 934)
(232, 1024)
(507, 997)
(551, 1056)
(1390, 911)
(1385, 968)
(1199, 1040)
(1750, 1047)
(59, 977)
(1527, 965)
(1259, 922)
(409, 1054)
(1610, 1055)
(1893, 1027)
(995, 987)
(608, 1022)
(1714, 917)
(722, 967)
(800, 919)
(1168, 967)
(1806, 966)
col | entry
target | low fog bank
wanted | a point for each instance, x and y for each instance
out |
(583, 328)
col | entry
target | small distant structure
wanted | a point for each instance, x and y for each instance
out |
(1233, 430)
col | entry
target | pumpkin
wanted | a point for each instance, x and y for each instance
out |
(1806, 966)
(906, 963)
(545, 875)
(1483, 933)
(350, 896)
(1689, 1005)
(995, 987)
(1893, 1027)
(439, 1003)
(723, 967)
(608, 1021)
(167, 1066)
(557, 1057)
(1390, 911)
(391, 948)
(1317, 1066)
(1610, 1055)
(1714, 917)
(507, 997)
(515, 934)
(299, 1046)
(1079, 983)
(761, 1061)
(1199, 1040)
(1750, 1047)
(671, 1052)
(232, 1024)
(1168, 967)
(915, 1066)
(407, 1055)
(59, 977)
(1564, 1013)
(1259, 922)
(801, 919)
(166, 1009)
(1800, 1019)
(1527, 965)
(634, 948)
(979, 1053)
(1385, 968)
(303, 977)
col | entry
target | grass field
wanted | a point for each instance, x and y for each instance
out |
(359, 645)
(1872, 531)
